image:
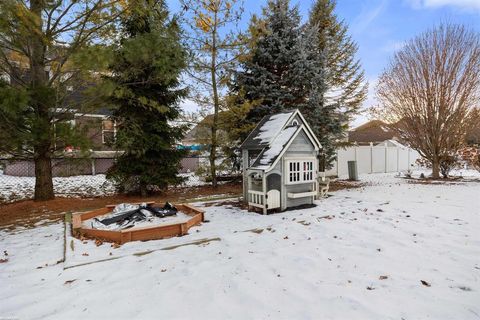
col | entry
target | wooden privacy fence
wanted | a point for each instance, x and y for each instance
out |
(387, 157)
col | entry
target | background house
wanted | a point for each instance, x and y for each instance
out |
(377, 131)
(100, 131)
(374, 131)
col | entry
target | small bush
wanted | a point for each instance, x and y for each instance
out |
(447, 163)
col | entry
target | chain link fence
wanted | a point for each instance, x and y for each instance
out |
(85, 177)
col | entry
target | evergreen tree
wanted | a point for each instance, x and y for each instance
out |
(36, 105)
(274, 72)
(145, 74)
(344, 87)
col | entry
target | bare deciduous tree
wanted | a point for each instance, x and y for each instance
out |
(214, 41)
(430, 88)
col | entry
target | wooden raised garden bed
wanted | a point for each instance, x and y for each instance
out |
(135, 234)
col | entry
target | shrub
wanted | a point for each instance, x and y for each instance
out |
(447, 163)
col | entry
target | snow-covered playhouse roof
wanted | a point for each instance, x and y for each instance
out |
(274, 134)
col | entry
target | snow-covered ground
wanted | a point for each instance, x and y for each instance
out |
(360, 254)
(14, 188)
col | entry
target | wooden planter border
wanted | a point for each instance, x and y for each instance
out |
(136, 234)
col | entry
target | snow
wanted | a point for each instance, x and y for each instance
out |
(192, 180)
(318, 263)
(270, 129)
(384, 129)
(277, 145)
(151, 221)
(13, 188)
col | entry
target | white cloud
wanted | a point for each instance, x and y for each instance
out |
(367, 16)
(461, 4)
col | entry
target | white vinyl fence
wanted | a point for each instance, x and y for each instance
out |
(374, 159)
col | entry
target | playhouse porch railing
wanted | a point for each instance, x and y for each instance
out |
(256, 199)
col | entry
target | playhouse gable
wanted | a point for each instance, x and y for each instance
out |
(276, 134)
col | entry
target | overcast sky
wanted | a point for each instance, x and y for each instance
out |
(380, 27)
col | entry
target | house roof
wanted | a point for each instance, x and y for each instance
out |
(269, 154)
(192, 134)
(273, 135)
(205, 124)
(372, 131)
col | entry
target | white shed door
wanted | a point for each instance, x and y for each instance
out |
(273, 199)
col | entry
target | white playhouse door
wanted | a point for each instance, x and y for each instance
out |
(273, 199)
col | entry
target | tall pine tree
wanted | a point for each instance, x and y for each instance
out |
(145, 74)
(274, 73)
(345, 88)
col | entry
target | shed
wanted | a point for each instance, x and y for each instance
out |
(280, 163)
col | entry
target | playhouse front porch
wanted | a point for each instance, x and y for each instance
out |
(264, 190)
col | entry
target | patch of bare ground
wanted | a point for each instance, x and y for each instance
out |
(442, 181)
(338, 184)
(31, 213)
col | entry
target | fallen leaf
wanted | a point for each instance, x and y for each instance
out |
(3, 260)
(70, 281)
(98, 242)
(425, 283)
(464, 288)
(85, 254)
(370, 288)
(383, 277)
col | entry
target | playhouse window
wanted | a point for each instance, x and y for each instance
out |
(294, 171)
(300, 171)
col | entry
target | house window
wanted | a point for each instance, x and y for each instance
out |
(109, 131)
(300, 171)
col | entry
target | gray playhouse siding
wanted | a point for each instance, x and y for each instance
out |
(300, 147)
(277, 137)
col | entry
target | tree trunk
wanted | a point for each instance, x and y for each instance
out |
(43, 177)
(213, 148)
(436, 168)
(41, 102)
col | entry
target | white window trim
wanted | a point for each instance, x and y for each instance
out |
(286, 170)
